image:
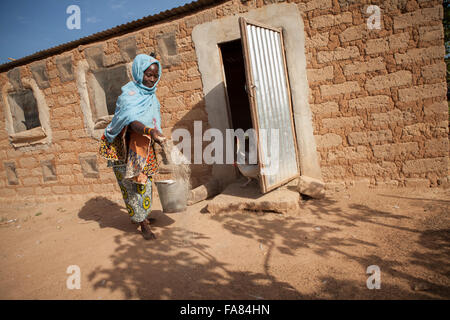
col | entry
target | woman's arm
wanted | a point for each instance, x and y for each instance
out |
(140, 128)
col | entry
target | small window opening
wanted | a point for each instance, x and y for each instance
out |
(24, 110)
(105, 88)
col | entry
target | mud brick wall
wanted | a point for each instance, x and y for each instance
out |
(378, 98)
(69, 167)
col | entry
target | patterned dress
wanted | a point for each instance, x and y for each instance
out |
(137, 196)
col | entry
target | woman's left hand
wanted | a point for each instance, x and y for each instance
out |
(157, 136)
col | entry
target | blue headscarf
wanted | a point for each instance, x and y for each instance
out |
(137, 102)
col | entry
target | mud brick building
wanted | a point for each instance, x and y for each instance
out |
(367, 105)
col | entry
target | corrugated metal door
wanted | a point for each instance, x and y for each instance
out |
(270, 103)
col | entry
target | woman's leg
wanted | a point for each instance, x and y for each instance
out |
(143, 205)
(138, 200)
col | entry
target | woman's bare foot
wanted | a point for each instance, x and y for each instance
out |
(146, 232)
(150, 220)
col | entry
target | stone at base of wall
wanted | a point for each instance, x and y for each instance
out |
(337, 186)
(387, 183)
(359, 184)
(311, 187)
(417, 183)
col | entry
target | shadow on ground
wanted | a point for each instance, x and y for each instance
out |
(431, 250)
(109, 214)
(180, 265)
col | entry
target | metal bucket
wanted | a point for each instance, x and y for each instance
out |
(172, 194)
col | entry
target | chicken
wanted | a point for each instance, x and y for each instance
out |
(250, 171)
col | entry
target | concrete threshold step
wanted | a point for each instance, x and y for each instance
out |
(237, 198)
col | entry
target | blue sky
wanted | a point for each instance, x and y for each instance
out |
(28, 26)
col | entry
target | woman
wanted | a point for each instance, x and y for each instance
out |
(128, 140)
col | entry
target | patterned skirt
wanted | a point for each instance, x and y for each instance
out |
(137, 197)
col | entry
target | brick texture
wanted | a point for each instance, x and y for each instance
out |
(377, 97)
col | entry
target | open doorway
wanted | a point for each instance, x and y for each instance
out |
(238, 102)
(233, 64)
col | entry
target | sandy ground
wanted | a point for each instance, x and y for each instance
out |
(320, 252)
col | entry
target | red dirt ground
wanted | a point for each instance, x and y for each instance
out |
(319, 252)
